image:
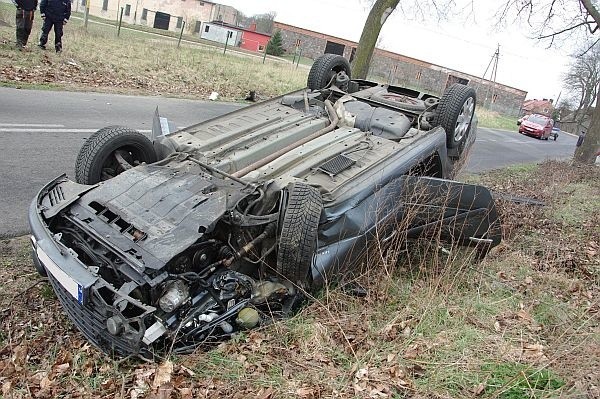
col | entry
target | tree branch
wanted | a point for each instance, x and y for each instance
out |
(566, 29)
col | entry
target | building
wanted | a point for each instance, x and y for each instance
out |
(544, 107)
(163, 14)
(248, 39)
(398, 69)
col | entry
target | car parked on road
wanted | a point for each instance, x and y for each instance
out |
(536, 125)
(225, 225)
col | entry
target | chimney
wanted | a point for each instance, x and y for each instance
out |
(252, 27)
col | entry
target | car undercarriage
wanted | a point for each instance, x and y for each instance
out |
(188, 238)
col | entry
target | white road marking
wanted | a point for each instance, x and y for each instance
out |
(65, 130)
(30, 125)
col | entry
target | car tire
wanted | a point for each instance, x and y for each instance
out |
(298, 236)
(96, 159)
(455, 113)
(324, 69)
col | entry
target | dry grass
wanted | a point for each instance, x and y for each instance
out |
(522, 323)
(140, 64)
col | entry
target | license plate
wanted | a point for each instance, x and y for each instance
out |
(71, 286)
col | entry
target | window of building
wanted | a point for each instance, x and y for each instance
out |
(418, 75)
(494, 98)
(127, 9)
(179, 22)
(83, 3)
(197, 27)
(104, 5)
(261, 47)
(206, 28)
(229, 33)
(144, 14)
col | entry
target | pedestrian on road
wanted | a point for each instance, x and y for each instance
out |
(24, 20)
(55, 14)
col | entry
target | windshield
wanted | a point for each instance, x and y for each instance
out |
(540, 120)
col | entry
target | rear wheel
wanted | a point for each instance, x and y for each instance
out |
(455, 113)
(109, 151)
(324, 70)
(298, 237)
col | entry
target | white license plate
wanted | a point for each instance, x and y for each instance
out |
(72, 287)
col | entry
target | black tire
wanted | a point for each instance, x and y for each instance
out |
(96, 159)
(325, 68)
(455, 113)
(298, 237)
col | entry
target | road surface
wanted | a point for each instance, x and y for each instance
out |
(42, 131)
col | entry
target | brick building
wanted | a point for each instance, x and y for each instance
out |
(398, 69)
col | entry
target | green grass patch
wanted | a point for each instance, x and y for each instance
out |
(516, 381)
(495, 120)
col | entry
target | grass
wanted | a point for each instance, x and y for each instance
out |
(138, 63)
(495, 120)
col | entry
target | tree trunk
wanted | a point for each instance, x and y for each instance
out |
(586, 153)
(379, 12)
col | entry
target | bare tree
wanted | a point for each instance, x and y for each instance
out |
(379, 13)
(582, 83)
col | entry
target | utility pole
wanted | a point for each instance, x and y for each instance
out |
(494, 64)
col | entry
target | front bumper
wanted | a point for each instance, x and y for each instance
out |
(76, 287)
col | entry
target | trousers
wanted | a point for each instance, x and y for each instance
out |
(50, 23)
(24, 22)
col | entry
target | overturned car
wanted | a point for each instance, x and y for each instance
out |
(222, 226)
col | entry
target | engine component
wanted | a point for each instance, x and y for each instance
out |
(114, 325)
(176, 294)
(247, 318)
(266, 290)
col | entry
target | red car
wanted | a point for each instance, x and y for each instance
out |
(535, 125)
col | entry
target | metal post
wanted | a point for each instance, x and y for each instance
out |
(181, 33)
(264, 55)
(120, 21)
(226, 41)
(86, 14)
(299, 55)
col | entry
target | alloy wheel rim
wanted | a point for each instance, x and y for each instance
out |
(464, 119)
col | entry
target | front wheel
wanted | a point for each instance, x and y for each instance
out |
(298, 237)
(455, 113)
(109, 152)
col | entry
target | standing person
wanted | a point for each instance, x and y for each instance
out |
(24, 20)
(55, 14)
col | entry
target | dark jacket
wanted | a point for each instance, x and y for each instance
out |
(27, 5)
(57, 10)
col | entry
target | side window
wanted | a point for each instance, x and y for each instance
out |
(206, 28)
(144, 14)
(127, 9)
(104, 5)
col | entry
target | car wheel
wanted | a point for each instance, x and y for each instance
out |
(455, 113)
(324, 69)
(298, 237)
(103, 153)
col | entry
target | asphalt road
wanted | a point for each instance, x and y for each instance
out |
(42, 131)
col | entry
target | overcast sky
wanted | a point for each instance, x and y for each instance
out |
(465, 42)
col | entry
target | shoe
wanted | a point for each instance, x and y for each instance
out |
(42, 46)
